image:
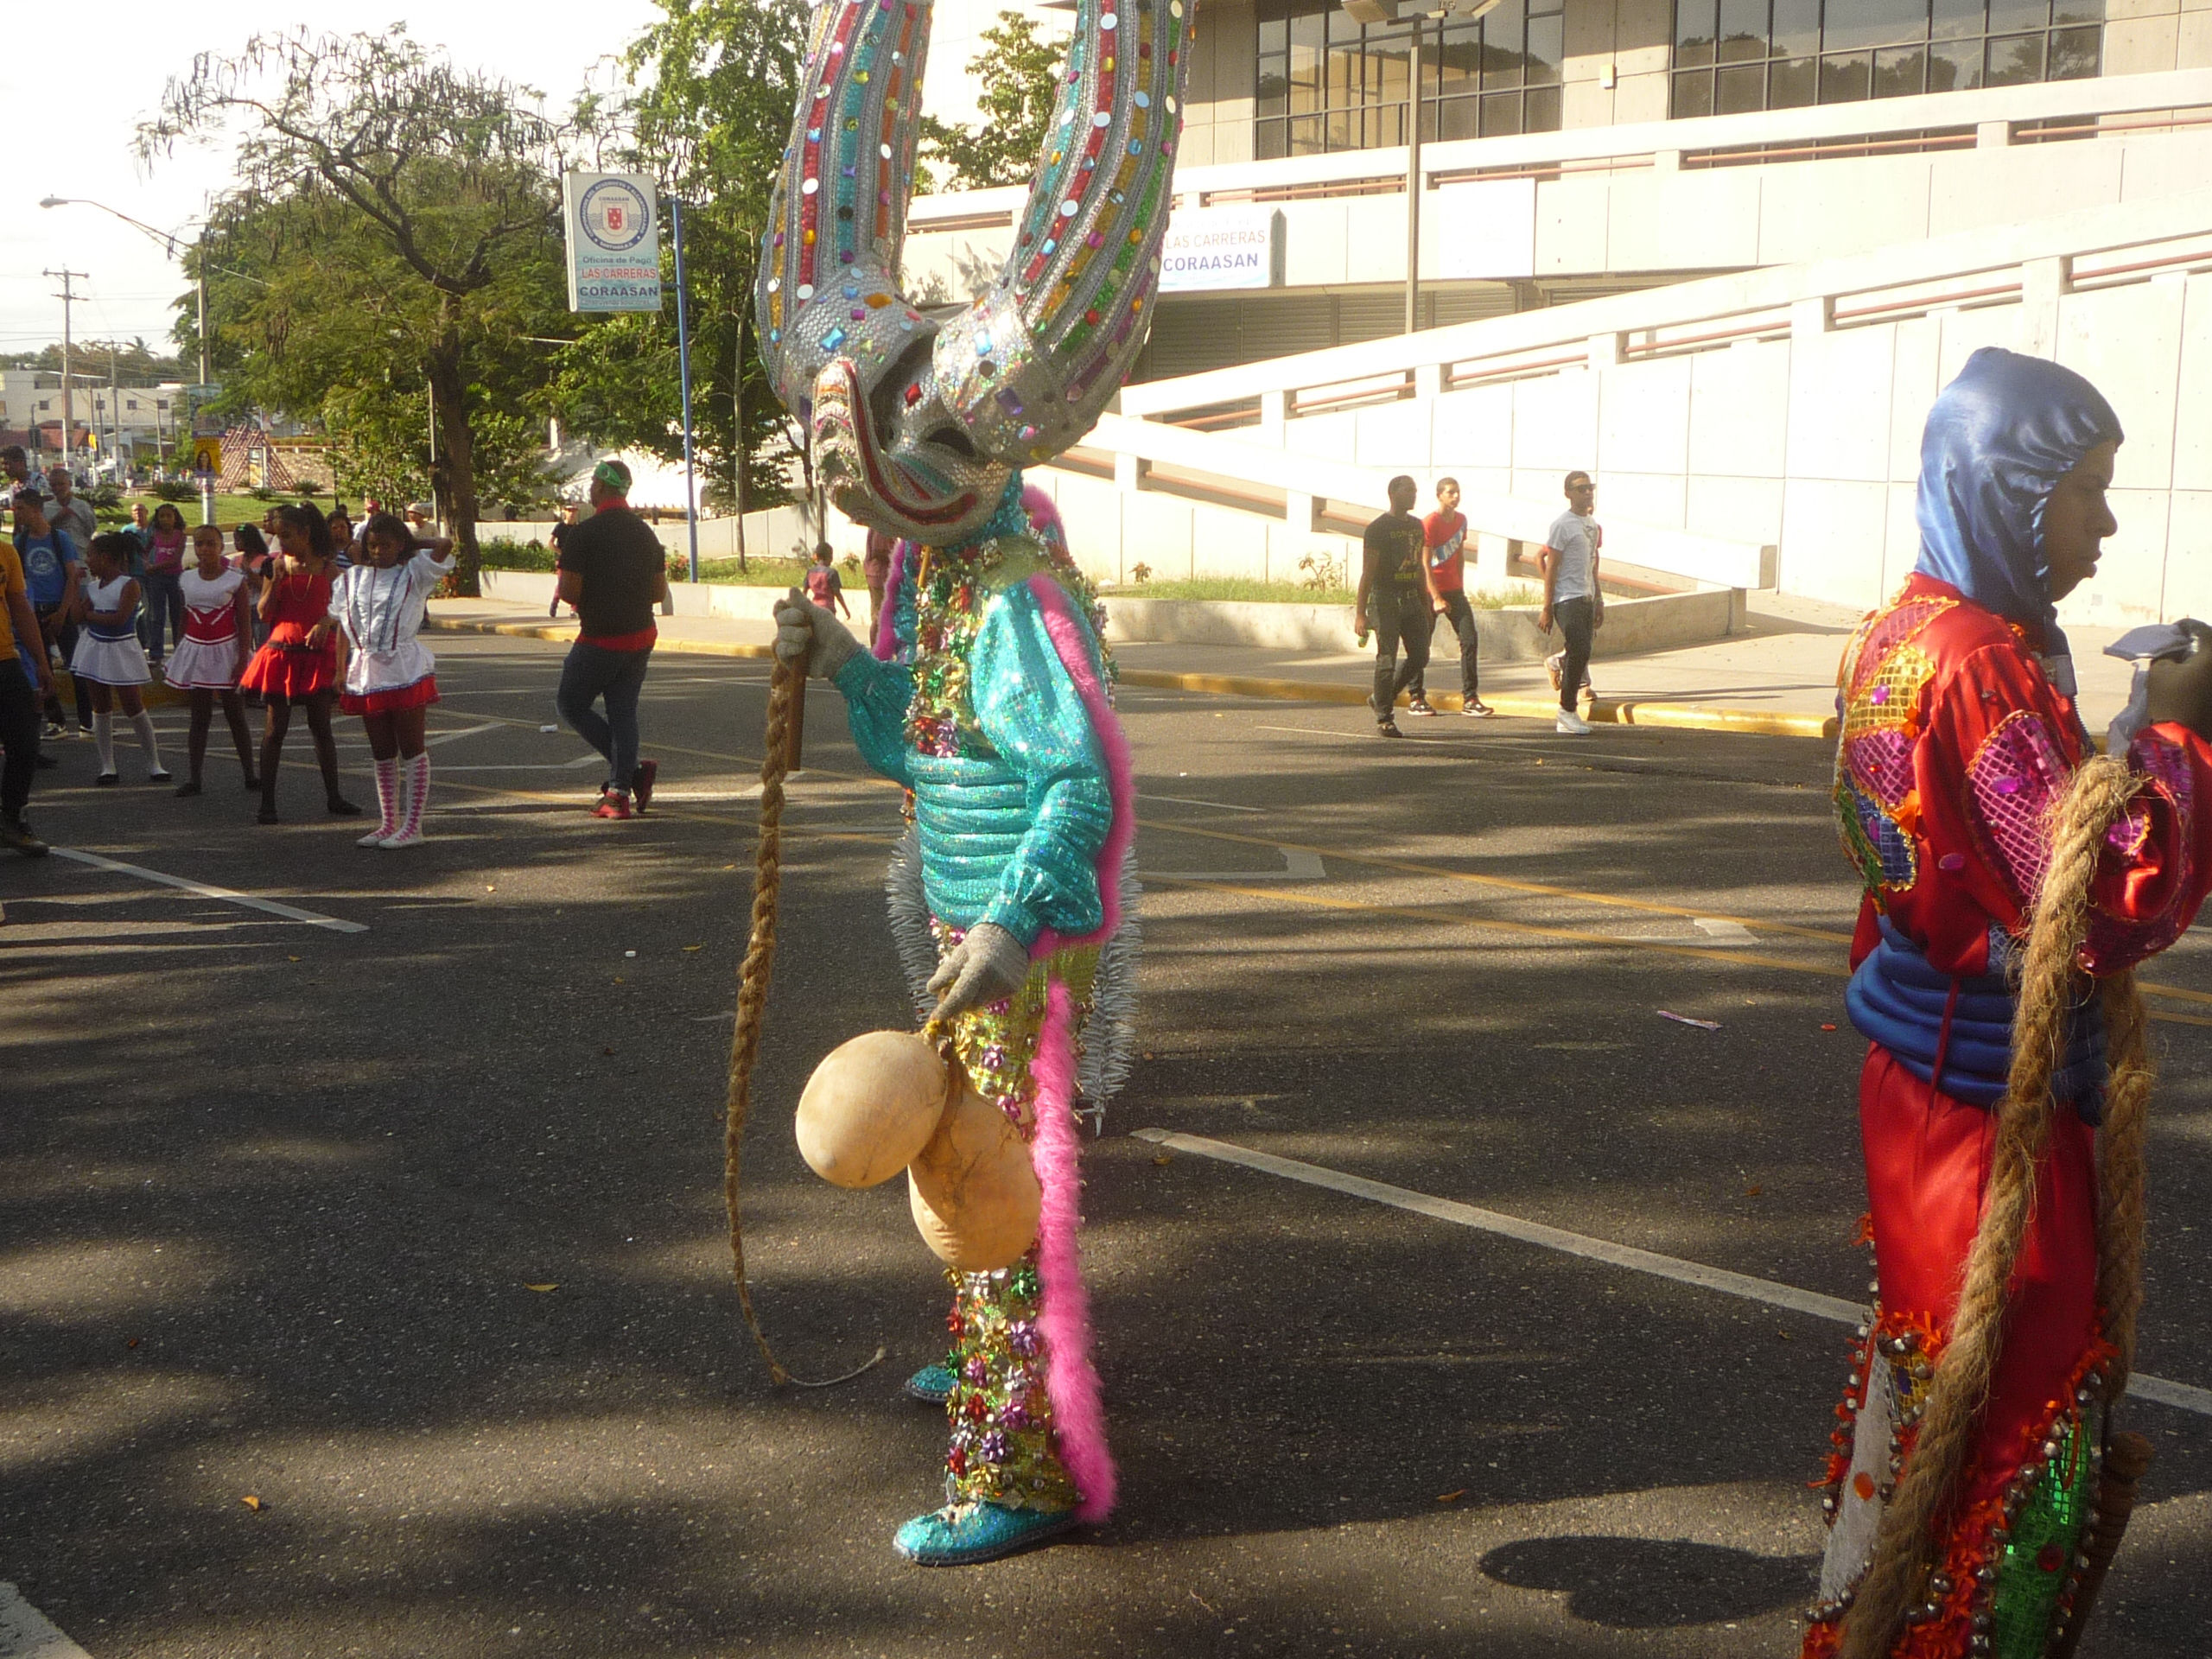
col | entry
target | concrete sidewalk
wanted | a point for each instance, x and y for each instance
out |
(1776, 677)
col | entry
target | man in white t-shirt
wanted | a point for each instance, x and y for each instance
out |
(1573, 597)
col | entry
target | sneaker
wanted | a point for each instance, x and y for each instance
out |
(1475, 709)
(107, 779)
(1388, 729)
(960, 1534)
(1571, 724)
(53, 730)
(375, 837)
(158, 775)
(641, 782)
(16, 832)
(1419, 706)
(932, 1385)
(612, 804)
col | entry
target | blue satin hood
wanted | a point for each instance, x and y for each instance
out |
(1999, 438)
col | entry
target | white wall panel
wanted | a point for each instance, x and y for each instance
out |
(1643, 417)
(1739, 410)
(1839, 404)
(2126, 340)
(1832, 537)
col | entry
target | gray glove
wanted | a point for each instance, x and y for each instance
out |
(988, 964)
(809, 637)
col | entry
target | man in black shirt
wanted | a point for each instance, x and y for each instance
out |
(1393, 600)
(613, 570)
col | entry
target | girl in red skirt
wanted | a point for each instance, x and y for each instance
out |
(300, 663)
(389, 681)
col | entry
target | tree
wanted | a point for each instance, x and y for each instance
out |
(711, 88)
(1020, 76)
(393, 235)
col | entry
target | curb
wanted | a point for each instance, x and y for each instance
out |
(1676, 716)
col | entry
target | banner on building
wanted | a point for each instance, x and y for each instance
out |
(1211, 248)
(612, 222)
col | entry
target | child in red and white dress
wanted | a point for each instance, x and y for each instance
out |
(299, 665)
(215, 643)
(389, 679)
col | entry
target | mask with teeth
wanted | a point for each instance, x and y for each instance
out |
(919, 425)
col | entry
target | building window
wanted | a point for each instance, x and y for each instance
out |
(1327, 83)
(1733, 55)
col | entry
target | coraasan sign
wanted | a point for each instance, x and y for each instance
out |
(1221, 248)
(614, 235)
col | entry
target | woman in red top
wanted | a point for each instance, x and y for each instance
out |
(1959, 732)
(300, 663)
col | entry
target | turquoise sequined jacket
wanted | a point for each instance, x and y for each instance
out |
(1015, 811)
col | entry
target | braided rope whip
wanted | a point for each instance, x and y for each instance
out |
(1900, 1563)
(753, 1000)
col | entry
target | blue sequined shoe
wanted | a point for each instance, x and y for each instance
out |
(932, 1385)
(960, 1534)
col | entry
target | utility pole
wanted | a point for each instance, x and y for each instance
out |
(737, 443)
(68, 298)
(192, 410)
(115, 413)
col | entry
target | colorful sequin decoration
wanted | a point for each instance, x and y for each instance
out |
(952, 590)
(1879, 688)
(1000, 1417)
(2012, 779)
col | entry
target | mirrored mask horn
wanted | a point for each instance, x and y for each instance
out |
(918, 429)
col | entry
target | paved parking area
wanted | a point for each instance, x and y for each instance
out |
(1449, 1298)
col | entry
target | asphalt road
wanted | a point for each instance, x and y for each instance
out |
(282, 1203)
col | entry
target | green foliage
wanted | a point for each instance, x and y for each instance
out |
(174, 489)
(1020, 73)
(504, 553)
(711, 89)
(394, 223)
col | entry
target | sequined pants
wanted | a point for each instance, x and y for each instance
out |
(2009, 1557)
(1003, 1446)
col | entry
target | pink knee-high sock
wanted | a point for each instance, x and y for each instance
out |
(387, 797)
(418, 796)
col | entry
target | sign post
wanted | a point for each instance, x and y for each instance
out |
(613, 237)
(684, 374)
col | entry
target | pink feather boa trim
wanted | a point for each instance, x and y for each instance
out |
(1070, 1379)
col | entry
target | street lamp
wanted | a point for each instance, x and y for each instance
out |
(168, 240)
(1419, 14)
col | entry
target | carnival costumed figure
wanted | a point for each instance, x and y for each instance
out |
(988, 695)
(1959, 734)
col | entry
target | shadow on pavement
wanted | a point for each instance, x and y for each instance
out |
(1652, 1584)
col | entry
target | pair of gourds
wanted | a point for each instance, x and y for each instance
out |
(886, 1101)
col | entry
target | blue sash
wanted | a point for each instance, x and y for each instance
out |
(1899, 1000)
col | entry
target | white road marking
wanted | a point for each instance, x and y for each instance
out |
(1184, 800)
(466, 731)
(1714, 927)
(1304, 731)
(1301, 866)
(290, 912)
(2181, 1396)
(25, 1633)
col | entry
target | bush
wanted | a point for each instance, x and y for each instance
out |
(503, 553)
(175, 489)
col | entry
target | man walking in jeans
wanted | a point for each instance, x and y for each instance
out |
(1572, 596)
(1393, 602)
(613, 572)
(1446, 531)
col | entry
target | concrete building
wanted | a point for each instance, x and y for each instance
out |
(1721, 252)
(138, 419)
